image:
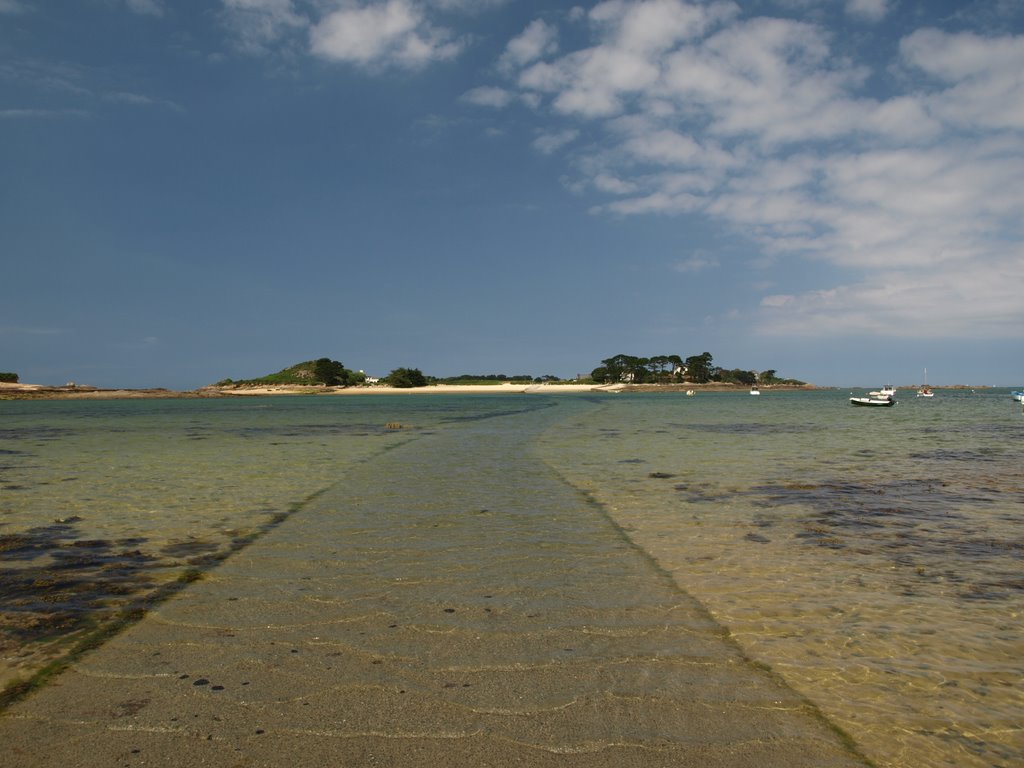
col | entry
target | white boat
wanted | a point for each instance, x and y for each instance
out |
(925, 391)
(873, 401)
(754, 390)
(690, 393)
(1018, 396)
(887, 391)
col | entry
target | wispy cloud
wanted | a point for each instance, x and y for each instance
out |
(146, 7)
(698, 262)
(868, 10)
(258, 26)
(489, 96)
(70, 90)
(374, 35)
(15, 330)
(29, 114)
(393, 33)
(757, 123)
(49, 77)
(549, 142)
(537, 40)
(13, 6)
(141, 100)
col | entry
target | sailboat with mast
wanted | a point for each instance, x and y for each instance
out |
(925, 391)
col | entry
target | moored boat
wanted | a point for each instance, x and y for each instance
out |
(873, 401)
(925, 391)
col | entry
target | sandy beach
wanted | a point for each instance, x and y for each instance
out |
(80, 392)
(505, 388)
(40, 391)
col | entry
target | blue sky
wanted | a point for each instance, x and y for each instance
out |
(197, 190)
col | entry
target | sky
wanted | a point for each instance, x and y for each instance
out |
(193, 190)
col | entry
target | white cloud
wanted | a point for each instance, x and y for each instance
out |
(769, 79)
(868, 10)
(548, 143)
(536, 41)
(757, 123)
(16, 114)
(697, 263)
(983, 75)
(962, 301)
(597, 81)
(259, 25)
(468, 6)
(613, 185)
(12, 6)
(140, 100)
(657, 25)
(393, 33)
(487, 96)
(145, 7)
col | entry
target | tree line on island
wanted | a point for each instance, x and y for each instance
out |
(673, 369)
(628, 369)
(332, 373)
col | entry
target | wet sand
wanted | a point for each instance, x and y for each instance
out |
(467, 635)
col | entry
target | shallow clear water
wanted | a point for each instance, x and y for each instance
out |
(871, 556)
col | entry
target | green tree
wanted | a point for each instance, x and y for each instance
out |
(615, 367)
(406, 378)
(627, 368)
(330, 372)
(660, 367)
(739, 376)
(9, 378)
(698, 368)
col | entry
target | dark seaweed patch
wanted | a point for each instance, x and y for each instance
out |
(751, 428)
(533, 405)
(188, 548)
(308, 430)
(957, 455)
(913, 521)
(84, 591)
(67, 583)
(33, 433)
(693, 493)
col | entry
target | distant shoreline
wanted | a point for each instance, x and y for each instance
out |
(44, 392)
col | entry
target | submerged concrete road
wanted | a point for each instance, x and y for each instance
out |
(452, 603)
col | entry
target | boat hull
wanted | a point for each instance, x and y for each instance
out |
(875, 402)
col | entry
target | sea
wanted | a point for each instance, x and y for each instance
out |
(872, 557)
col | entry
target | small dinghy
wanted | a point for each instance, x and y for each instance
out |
(883, 402)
